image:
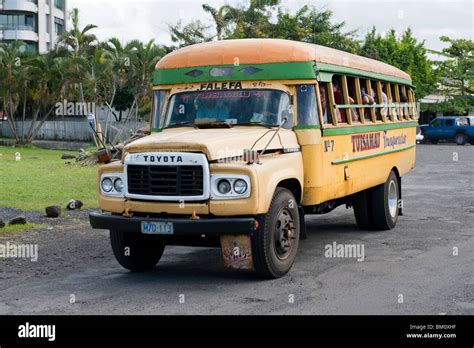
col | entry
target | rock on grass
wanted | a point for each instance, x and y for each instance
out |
(74, 205)
(53, 211)
(67, 157)
(19, 220)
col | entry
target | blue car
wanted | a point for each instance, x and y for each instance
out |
(453, 129)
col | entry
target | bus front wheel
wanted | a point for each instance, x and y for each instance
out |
(275, 244)
(136, 252)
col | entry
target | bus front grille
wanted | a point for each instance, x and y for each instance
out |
(166, 181)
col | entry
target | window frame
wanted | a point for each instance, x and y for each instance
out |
(153, 111)
(317, 117)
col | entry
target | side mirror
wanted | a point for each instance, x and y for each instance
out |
(289, 116)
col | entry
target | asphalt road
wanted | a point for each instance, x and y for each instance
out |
(415, 261)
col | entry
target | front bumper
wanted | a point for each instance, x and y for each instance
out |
(182, 227)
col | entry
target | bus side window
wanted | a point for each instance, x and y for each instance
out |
(368, 98)
(396, 99)
(392, 111)
(307, 105)
(354, 98)
(159, 101)
(325, 104)
(412, 108)
(404, 102)
(381, 98)
(338, 99)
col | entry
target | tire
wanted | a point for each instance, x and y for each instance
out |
(136, 252)
(385, 200)
(460, 139)
(275, 244)
(362, 205)
(434, 141)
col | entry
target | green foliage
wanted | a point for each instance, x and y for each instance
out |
(123, 99)
(266, 19)
(457, 67)
(189, 34)
(405, 53)
(454, 106)
(80, 69)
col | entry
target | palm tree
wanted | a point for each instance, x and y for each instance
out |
(222, 17)
(79, 42)
(49, 83)
(146, 57)
(13, 80)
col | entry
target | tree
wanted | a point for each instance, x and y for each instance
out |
(189, 34)
(405, 53)
(222, 17)
(265, 19)
(253, 21)
(80, 42)
(13, 81)
(311, 25)
(457, 68)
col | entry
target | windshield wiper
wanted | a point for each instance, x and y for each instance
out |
(213, 124)
(257, 124)
(180, 124)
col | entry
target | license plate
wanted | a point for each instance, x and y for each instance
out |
(160, 228)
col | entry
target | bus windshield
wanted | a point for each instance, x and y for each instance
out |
(242, 107)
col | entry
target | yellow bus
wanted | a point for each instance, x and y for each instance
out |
(248, 137)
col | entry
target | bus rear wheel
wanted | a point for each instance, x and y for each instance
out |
(385, 201)
(136, 252)
(275, 244)
(378, 207)
(362, 205)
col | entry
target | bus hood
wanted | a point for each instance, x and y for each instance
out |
(216, 144)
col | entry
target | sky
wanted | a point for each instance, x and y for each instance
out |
(149, 19)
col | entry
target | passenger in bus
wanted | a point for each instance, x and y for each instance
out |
(384, 102)
(322, 92)
(404, 104)
(341, 117)
(367, 99)
(354, 113)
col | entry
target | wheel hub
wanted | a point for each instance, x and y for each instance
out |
(284, 234)
(392, 199)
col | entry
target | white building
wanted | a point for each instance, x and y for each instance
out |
(36, 22)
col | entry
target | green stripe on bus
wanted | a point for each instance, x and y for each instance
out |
(271, 71)
(359, 158)
(367, 128)
(306, 127)
(345, 70)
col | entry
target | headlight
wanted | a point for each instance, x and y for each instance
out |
(224, 187)
(118, 185)
(107, 185)
(230, 186)
(240, 186)
(112, 185)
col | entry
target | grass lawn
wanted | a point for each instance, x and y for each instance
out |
(18, 228)
(42, 179)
